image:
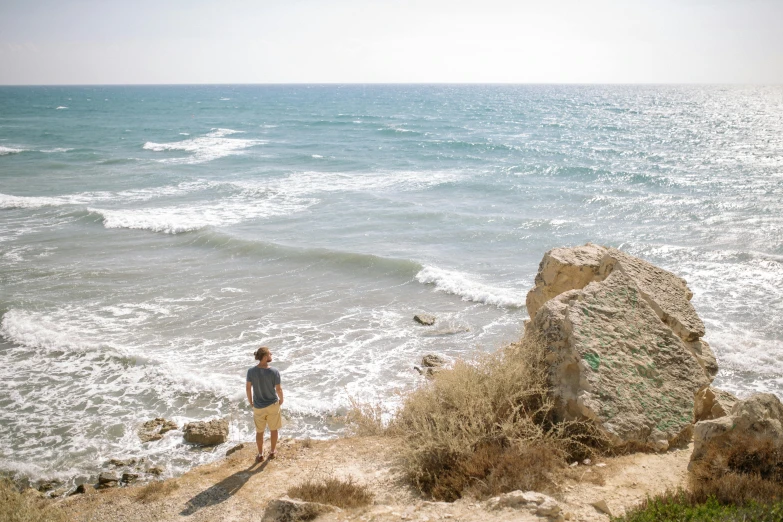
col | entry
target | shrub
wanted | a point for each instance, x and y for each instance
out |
(365, 419)
(741, 481)
(156, 490)
(16, 506)
(485, 427)
(684, 505)
(333, 491)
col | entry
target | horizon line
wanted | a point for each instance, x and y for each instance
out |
(185, 84)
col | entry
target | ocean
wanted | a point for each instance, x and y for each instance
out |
(152, 237)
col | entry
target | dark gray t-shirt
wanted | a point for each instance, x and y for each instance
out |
(264, 381)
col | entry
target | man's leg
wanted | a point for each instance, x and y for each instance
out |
(273, 440)
(260, 442)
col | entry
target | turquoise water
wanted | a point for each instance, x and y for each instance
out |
(152, 237)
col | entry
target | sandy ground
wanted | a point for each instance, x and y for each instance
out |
(237, 489)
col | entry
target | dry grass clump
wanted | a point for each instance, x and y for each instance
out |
(333, 491)
(743, 481)
(486, 427)
(746, 471)
(156, 490)
(365, 419)
(16, 506)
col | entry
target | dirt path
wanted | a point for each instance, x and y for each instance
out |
(237, 489)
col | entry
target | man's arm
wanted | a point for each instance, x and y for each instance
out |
(279, 390)
(249, 390)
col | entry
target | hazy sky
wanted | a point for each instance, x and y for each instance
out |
(261, 41)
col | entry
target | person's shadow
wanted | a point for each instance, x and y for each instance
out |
(223, 490)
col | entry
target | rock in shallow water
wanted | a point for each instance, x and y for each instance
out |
(425, 319)
(208, 433)
(108, 480)
(154, 429)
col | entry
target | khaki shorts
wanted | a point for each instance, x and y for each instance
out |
(269, 416)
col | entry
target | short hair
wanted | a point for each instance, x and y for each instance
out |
(261, 353)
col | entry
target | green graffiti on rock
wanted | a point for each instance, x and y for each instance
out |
(593, 360)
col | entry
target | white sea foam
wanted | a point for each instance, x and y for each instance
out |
(61, 107)
(105, 388)
(460, 284)
(9, 202)
(45, 332)
(178, 219)
(4, 151)
(85, 198)
(56, 149)
(313, 182)
(216, 144)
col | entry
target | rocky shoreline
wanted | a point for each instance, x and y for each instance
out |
(625, 354)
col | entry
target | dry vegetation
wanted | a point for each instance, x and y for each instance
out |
(333, 491)
(747, 471)
(156, 490)
(26, 507)
(740, 482)
(483, 428)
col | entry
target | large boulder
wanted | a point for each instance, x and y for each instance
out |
(711, 403)
(614, 362)
(208, 433)
(564, 269)
(756, 422)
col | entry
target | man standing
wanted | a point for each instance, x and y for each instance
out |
(266, 398)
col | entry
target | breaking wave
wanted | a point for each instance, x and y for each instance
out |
(216, 144)
(457, 283)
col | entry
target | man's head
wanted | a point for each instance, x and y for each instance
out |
(263, 354)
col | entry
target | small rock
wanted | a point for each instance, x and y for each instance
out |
(48, 485)
(130, 478)
(602, 506)
(155, 470)
(206, 433)
(574, 464)
(600, 465)
(425, 319)
(81, 489)
(108, 480)
(586, 462)
(289, 510)
(154, 429)
(433, 360)
(537, 503)
(235, 449)
(119, 463)
(427, 372)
